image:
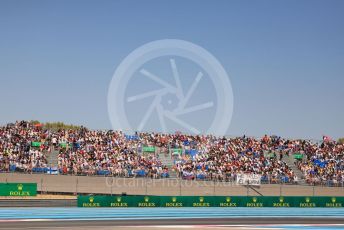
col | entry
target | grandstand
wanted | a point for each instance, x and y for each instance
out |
(69, 168)
(31, 148)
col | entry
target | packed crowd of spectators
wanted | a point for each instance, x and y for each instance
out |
(80, 151)
(324, 163)
(105, 153)
(89, 152)
(223, 159)
(15, 147)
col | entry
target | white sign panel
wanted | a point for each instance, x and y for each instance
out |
(245, 179)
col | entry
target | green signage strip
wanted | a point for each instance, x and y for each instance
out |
(179, 151)
(149, 149)
(298, 156)
(36, 144)
(64, 145)
(209, 201)
(18, 189)
(271, 155)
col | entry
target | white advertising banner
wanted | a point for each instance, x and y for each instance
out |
(251, 179)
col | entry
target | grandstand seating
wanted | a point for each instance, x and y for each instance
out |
(24, 147)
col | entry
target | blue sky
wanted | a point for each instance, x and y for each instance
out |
(285, 59)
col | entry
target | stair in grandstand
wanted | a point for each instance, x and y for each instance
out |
(291, 163)
(173, 174)
(166, 159)
(52, 157)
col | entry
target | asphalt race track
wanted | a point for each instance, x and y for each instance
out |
(171, 218)
(226, 223)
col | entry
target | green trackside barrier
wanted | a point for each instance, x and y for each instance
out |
(18, 189)
(210, 201)
(148, 149)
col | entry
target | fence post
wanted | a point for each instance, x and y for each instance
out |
(76, 185)
(280, 189)
(214, 189)
(247, 188)
(146, 190)
(180, 186)
(111, 185)
(313, 190)
(42, 185)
